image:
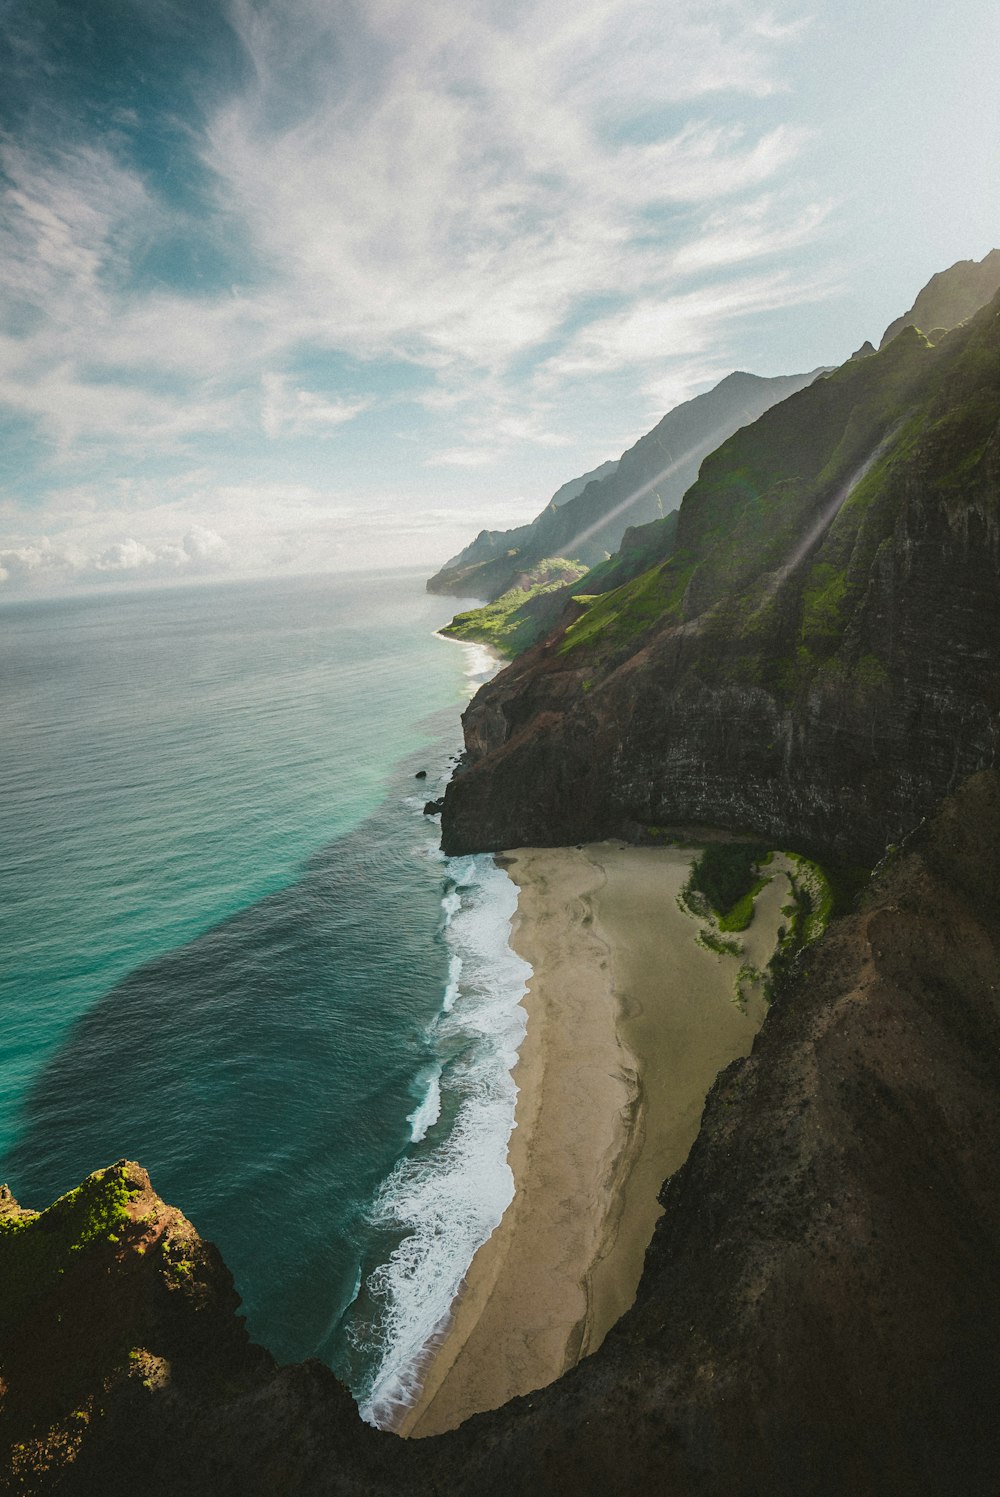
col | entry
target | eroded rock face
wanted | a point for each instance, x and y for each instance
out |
(817, 1313)
(819, 660)
(124, 1366)
(818, 1307)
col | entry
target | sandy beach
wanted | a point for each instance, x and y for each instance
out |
(629, 1022)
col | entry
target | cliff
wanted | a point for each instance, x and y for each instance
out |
(124, 1366)
(817, 1313)
(816, 659)
(645, 484)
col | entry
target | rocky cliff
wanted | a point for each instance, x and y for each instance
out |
(817, 660)
(645, 484)
(817, 1313)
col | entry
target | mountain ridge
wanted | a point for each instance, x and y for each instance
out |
(781, 671)
(646, 483)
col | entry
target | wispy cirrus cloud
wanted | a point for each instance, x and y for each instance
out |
(462, 209)
(461, 194)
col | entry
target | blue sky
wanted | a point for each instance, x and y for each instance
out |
(301, 285)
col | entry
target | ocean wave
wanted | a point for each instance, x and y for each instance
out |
(448, 1193)
(428, 1110)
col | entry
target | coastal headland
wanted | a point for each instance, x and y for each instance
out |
(629, 1021)
(817, 1309)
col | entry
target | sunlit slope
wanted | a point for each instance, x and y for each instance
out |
(587, 520)
(817, 659)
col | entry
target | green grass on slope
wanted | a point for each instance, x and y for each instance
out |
(622, 615)
(508, 625)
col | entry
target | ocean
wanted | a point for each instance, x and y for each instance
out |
(234, 952)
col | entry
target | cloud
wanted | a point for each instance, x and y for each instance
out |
(55, 565)
(483, 204)
(462, 190)
(687, 323)
(464, 457)
(288, 411)
(126, 556)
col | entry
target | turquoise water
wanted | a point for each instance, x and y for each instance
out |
(233, 952)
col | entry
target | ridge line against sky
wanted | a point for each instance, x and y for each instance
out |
(296, 285)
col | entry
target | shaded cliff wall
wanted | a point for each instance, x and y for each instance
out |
(818, 1307)
(819, 659)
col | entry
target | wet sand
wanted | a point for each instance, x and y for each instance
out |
(629, 1022)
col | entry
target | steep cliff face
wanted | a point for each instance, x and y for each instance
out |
(124, 1366)
(644, 485)
(818, 660)
(818, 1306)
(817, 1313)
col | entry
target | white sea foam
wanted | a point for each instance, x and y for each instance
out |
(445, 1198)
(481, 663)
(427, 1111)
(454, 982)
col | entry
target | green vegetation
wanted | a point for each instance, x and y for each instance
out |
(38, 1248)
(623, 614)
(747, 978)
(725, 875)
(722, 945)
(510, 624)
(808, 916)
(740, 569)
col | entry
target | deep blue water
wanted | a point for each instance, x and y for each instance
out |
(233, 952)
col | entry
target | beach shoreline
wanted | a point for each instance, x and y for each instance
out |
(629, 1021)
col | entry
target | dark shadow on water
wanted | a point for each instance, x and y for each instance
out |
(263, 1073)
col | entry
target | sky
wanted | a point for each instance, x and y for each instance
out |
(297, 286)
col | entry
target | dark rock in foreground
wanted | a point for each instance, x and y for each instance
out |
(817, 1316)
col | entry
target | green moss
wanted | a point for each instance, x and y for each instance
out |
(740, 915)
(36, 1250)
(822, 601)
(809, 915)
(725, 874)
(870, 674)
(722, 945)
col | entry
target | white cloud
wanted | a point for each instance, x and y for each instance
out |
(125, 556)
(54, 565)
(687, 323)
(288, 411)
(465, 188)
(506, 198)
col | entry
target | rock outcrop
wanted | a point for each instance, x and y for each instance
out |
(817, 1313)
(818, 658)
